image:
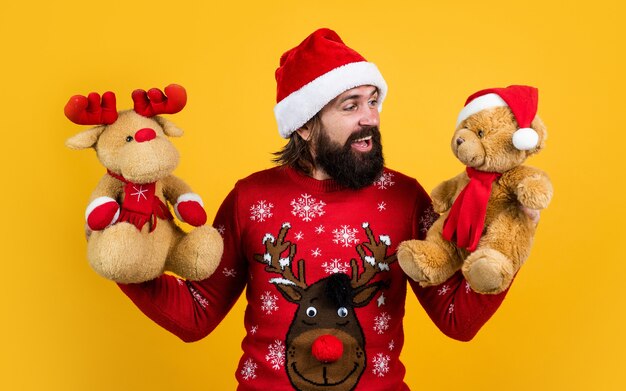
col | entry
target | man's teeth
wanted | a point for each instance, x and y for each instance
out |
(362, 139)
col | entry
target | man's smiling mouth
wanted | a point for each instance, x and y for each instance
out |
(363, 144)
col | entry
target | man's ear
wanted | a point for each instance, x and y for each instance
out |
(304, 132)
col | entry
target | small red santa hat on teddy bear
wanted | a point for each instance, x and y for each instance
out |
(522, 100)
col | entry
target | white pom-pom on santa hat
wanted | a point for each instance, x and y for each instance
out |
(522, 100)
(525, 139)
(315, 72)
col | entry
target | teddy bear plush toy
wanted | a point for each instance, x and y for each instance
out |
(134, 237)
(482, 228)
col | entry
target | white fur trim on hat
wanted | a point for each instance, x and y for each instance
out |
(483, 102)
(525, 139)
(99, 202)
(186, 197)
(300, 106)
(190, 197)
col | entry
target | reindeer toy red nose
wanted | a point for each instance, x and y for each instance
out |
(327, 348)
(145, 134)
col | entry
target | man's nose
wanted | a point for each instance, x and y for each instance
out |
(371, 117)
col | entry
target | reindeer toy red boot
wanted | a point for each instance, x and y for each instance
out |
(134, 237)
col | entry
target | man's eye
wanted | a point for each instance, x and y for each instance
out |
(350, 107)
(374, 102)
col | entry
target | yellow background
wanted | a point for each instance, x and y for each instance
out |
(562, 326)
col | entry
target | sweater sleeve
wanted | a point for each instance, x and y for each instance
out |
(191, 310)
(453, 306)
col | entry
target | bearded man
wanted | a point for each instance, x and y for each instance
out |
(314, 239)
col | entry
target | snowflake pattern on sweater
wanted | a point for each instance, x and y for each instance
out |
(285, 233)
(276, 354)
(380, 364)
(307, 207)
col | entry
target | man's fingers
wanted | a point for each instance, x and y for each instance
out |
(533, 214)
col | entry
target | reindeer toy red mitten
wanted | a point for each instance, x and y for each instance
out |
(134, 237)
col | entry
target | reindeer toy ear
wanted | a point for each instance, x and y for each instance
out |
(168, 127)
(90, 110)
(86, 139)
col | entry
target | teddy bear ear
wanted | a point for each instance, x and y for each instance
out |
(539, 127)
(168, 127)
(85, 139)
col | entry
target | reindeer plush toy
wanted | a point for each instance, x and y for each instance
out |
(134, 238)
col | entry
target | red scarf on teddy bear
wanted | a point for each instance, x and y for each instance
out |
(141, 204)
(466, 220)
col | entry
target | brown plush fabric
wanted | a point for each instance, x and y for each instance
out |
(121, 252)
(484, 142)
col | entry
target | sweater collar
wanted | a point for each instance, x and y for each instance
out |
(315, 185)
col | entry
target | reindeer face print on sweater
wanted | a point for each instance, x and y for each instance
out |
(325, 345)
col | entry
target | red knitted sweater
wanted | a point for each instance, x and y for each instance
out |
(325, 293)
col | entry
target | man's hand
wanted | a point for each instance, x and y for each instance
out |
(533, 214)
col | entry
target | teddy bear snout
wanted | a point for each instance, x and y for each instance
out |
(460, 140)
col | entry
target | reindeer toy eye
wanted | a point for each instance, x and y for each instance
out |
(129, 139)
(311, 312)
(342, 312)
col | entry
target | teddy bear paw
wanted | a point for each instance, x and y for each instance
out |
(425, 262)
(535, 192)
(123, 254)
(198, 254)
(488, 271)
(410, 263)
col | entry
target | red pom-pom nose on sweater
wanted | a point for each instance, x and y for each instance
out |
(327, 348)
(145, 134)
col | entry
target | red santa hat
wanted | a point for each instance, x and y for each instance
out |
(314, 73)
(522, 100)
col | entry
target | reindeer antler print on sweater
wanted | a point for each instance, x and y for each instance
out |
(325, 343)
(372, 264)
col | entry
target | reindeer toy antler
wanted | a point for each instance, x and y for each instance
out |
(156, 102)
(89, 111)
(134, 237)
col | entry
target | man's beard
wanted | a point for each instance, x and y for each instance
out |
(350, 168)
